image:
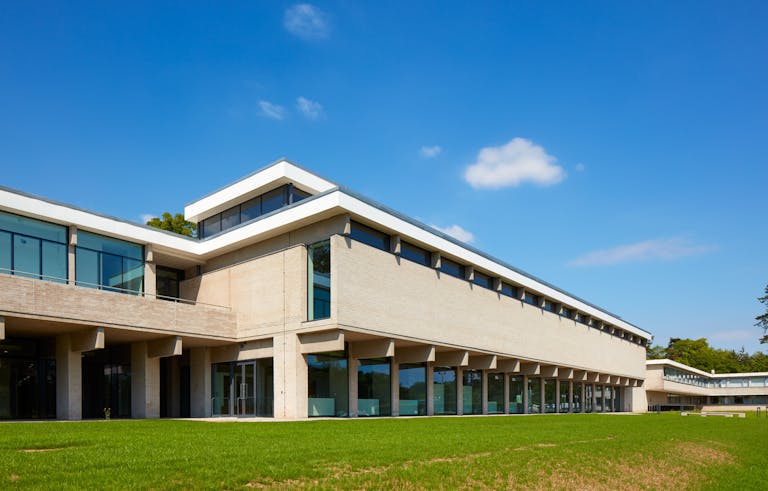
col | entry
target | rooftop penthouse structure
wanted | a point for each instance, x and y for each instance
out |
(300, 298)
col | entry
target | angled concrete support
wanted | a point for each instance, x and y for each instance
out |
(548, 371)
(593, 377)
(508, 366)
(604, 379)
(320, 342)
(482, 362)
(579, 375)
(89, 340)
(565, 373)
(347, 225)
(394, 245)
(161, 348)
(377, 348)
(530, 368)
(458, 358)
(415, 354)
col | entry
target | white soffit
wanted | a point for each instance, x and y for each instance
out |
(279, 173)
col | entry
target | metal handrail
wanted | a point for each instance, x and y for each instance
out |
(85, 284)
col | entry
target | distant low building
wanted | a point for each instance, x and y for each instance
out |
(671, 385)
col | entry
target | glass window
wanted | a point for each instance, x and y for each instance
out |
(516, 395)
(26, 256)
(319, 291)
(472, 392)
(510, 290)
(451, 268)
(230, 218)
(5, 252)
(566, 312)
(133, 275)
(107, 244)
(369, 236)
(54, 261)
(534, 395)
(87, 267)
(298, 195)
(495, 393)
(577, 387)
(415, 254)
(374, 388)
(111, 271)
(212, 225)
(550, 306)
(168, 280)
(483, 280)
(444, 390)
(250, 209)
(273, 200)
(221, 388)
(531, 298)
(34, 228)
(564, 403)
(328, 385)
(549, 395)
(413, 389)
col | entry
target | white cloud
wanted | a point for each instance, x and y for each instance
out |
(310, 109)
(145, 217)
(307, 22)
(270, 110)
(656, 249)
(456, 232)
(430, 152)
(512, 164)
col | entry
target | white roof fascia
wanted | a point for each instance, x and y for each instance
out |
(229, 195)
(59, 213)
(682, 366)
(385, 219)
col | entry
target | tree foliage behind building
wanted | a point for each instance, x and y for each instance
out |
(174, 223)
(762, 320)
(699, 354)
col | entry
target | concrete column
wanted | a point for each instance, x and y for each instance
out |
(69, 380)
(2, 328)
(570, 396)
(583, 398)
(542, 399)
(71, 255)
(150, 272)
(506, 393)
(594, 398)
(459, 391)
(200, 382)
(557, 396)
(145, 382)
(352, 371)
(395, 380)
(430, 389)
(484, 395)
(525, 394)
(605, 399)
(290, 378)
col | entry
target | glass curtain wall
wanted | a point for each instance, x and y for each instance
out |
(608, 398)
(413, 389)
(374, 387)
(617, 395)
(109, 264)
(319, 281)
(33, 248)
(534, 395)
(495, 393)
(549, 395)
(328, 384)
(588, 398)
(564, 402)
(444, 390)
(472, 392)
(107, 382)
(516, 395)
(27, 380)
(598, 399)
(577, 389)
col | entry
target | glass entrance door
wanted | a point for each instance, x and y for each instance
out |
(245, 388)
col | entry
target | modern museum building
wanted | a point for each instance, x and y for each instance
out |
(297, 298)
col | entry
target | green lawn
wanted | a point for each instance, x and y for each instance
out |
(549, 452)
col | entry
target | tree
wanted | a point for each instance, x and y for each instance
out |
(174, 223)
(762, 320)
(656, 352)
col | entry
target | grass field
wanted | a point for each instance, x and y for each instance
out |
(548, 452)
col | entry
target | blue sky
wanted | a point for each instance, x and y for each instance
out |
(615, 149)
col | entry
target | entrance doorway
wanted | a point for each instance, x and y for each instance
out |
(243, 388)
